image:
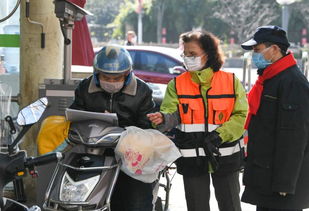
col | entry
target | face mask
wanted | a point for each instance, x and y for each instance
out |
(111, 87)
(134, 39)
(193, 63)
(259, 60)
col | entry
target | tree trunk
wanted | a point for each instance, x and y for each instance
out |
(160, 14)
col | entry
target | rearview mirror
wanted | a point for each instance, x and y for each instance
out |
(178, 70)
(32, 113)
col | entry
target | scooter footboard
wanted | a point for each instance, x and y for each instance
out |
(82, 181)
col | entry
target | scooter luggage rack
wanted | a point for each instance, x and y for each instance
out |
(89, 168)
(86, 205)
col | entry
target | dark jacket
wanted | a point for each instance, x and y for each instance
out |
(278, 150)
(131, 104)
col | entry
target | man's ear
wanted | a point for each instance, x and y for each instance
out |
(277, 48)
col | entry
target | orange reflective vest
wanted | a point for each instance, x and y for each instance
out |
(220, 102)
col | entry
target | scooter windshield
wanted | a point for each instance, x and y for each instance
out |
(94, 132)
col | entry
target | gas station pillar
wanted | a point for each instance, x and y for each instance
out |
(39, 60)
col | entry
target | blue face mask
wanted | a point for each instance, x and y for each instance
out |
(259, 60)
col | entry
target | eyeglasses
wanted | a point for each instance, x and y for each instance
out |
(193, 56)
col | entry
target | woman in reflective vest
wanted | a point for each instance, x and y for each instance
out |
(208, 107)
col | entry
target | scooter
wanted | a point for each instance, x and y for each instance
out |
(86, 177)
(14, 163)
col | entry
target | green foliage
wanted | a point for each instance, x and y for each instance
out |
(126, 15)
(113, 18)
(104, 12)
(179, 16)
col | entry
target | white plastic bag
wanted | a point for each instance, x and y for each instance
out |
(144, 153)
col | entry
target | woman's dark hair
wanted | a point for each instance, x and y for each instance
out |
(210, 44)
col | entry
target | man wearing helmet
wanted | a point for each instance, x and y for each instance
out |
(113, 88)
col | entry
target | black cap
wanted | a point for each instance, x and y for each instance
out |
(273, 34)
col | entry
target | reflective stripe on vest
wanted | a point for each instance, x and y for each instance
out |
(226, 151)
(196, 127)
(220, 101)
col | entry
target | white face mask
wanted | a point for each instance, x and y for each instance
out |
(111, 87)
(134, 40)
(193, 63)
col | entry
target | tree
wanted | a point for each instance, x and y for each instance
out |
(299, 21)
(126, 16)
(160, 13)
(303, 8)
(185, 15)
(221, 17)
(174, 15)
(104, 13)
(244, 16)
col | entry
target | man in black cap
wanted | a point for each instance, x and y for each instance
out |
(276, 175)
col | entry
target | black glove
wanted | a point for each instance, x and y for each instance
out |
(212, 142)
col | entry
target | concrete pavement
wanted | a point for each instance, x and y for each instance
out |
(178, 202)
(177, 196)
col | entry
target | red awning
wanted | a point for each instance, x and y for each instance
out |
(82, 49)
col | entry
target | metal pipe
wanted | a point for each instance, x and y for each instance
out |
(249, 72)
(247, 66)
(285, 17)
(35, 22)
(244, 71)
(140, 23)
(305, 63)
(66, 26)
(68, 53)
(15, 99)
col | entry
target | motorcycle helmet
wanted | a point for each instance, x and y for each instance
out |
(112, 59)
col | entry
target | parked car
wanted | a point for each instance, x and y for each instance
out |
(156, 64)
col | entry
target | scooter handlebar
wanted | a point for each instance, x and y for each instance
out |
(41, 160)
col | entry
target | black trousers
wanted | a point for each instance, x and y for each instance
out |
(131, 195)
(270, 209)
(197, 192)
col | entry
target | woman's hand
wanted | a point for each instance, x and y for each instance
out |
(156, 118)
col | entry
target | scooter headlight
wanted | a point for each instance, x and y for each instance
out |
(77, 191)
